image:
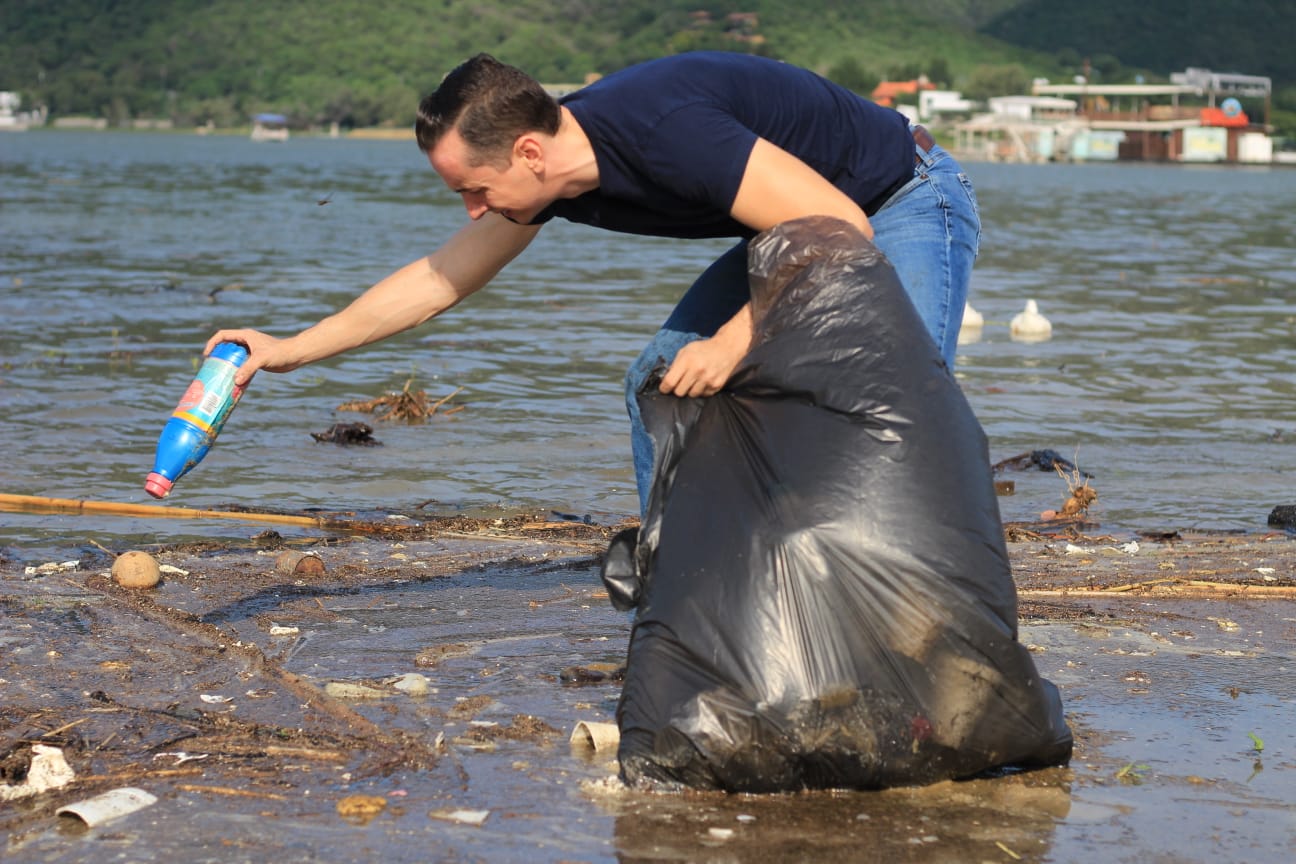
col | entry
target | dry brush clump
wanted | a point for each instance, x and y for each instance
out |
(412, 406)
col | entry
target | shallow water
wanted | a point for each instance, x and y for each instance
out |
(1163, 694)
(1169, 375)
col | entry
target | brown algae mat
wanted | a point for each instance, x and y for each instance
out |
(414, 701)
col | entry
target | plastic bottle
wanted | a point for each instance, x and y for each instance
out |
(198, 419)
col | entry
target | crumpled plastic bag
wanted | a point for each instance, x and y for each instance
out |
(823, 593)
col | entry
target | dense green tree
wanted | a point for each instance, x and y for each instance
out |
(360, 62)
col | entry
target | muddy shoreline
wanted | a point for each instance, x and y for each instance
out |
(415, 702)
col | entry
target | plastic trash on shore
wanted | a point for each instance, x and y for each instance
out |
(47, 770)
(823, 592)
(109, 806)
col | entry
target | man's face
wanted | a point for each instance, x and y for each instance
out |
(514, 192)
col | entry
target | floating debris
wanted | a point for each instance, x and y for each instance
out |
(1044, 460)
(463, 817)
(361, 808)
(109, 806)
(292, 563)
(593, 673)
(598, 737)
(52, 567)
(348, 435)
(407, 405)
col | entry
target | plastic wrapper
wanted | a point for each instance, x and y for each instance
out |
(822, 591)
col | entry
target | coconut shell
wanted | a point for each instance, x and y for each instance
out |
(136, 570)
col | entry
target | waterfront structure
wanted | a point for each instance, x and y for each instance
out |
(1198, 117)
(269, 127)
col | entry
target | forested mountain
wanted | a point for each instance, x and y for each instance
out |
(366, 62)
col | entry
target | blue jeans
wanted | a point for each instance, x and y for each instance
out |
(930, 231)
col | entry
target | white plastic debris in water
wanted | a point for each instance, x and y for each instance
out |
(284, 631)
(596, 736)
(463, 817)
(1072, 549)
(412, 684)
(346, 690)
(48, 770)
(51, 568)
(108, 806)
(214, 700)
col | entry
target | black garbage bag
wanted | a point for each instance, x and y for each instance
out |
(823, 593)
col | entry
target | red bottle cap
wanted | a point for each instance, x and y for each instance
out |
(157, 485)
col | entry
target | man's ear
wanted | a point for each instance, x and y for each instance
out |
(529, 150)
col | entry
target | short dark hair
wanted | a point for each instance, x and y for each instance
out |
(491, 104)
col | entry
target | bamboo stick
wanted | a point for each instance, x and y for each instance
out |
(42, 504)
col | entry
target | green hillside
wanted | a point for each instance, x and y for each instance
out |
(361, 62)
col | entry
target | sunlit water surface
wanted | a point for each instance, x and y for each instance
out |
(1169, 375)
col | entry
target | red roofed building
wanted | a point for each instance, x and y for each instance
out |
(886, 92)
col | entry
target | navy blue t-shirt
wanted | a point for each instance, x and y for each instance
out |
(672, 138)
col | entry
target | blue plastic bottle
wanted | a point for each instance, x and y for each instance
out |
(198, 419)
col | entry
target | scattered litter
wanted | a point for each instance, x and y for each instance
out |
(593, 673)
(1010, 853)
(408, 405)
(348, 435)
(51, 568)
(721, 833)
(110, 805)
(181, 756)
(172, 571)
(284, 631)
(361, 808)
(1072, 549)
(48, 770)
(215, 700)
(290, 563)
(345, 690)
(1044, 460)
(412, 684)
(463, 817)
(596, 736)
(1130, 548)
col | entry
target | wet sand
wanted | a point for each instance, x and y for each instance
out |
(257, 705)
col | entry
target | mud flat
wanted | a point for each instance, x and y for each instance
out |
(415, 700)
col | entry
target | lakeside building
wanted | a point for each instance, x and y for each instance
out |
(13, 120)
(1198, 117)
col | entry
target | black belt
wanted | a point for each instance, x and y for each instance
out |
(922, 138)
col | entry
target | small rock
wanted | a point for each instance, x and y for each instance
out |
(136, 570)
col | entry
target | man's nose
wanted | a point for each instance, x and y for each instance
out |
(476, 206)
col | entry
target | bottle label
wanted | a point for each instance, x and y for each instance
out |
(211, 396)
